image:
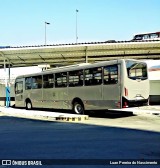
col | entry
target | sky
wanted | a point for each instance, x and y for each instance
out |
(23, 21)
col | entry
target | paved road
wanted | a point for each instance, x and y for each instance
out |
(147, 122)
(30, 139)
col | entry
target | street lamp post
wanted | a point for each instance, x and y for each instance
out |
(76, 26)
(46, 23)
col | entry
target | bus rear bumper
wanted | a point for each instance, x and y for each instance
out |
(134, 103)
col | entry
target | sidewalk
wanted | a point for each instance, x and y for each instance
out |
(41, 115)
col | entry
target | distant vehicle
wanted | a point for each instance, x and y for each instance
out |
(110, 41)
(4, 47)
(147, 36)
(104, 85)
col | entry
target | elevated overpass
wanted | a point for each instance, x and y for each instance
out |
(65, 54)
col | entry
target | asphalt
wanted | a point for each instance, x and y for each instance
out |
(104, 137)
(30, 139)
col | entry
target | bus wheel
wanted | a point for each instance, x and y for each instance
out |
(78, 108)
(28, 105)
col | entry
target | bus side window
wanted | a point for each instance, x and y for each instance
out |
(110, 74)
(93, 76)
(61, 79)
(137, 37)
(153, 35)
(18, 87)
(97, 76)
(48, 81)
(88, 77)
(37, 82)
(76, 78)
(28, 83)
(146, 36)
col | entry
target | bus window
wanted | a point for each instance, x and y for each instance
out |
(76, 78)
(48, 81)
(36, 82)
(93, 76)
(146, 36)
(111, 74)
(61, 79)
(153, 35)
(28, 83)
(97, 76)
(136, 70)
(137, 37)
(18, 87)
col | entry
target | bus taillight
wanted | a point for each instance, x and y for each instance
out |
(125, 91)
(125, 105)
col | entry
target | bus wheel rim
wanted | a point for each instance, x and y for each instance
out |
(78, 109)
(29, 105)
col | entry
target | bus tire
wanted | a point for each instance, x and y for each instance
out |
(78, 108)
(28, 105)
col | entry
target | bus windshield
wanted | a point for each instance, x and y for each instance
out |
(136, 70)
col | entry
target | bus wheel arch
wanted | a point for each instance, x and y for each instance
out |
(78, 106)
(28, 104)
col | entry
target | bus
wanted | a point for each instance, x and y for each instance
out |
(154, 80)
(146, 36)
(99, 86)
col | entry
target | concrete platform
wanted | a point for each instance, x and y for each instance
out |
(42, 115)
(56, 116)
(151, 110)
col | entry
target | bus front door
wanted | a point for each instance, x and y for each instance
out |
(19, 102)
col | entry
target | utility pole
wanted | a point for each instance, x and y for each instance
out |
(76, 26)
(46, 23)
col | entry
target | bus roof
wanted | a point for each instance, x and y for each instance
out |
(146, 33)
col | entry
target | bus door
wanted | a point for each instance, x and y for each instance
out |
(19, 93)
(111, 87)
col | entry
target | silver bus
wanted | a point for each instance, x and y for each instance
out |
(103, 85)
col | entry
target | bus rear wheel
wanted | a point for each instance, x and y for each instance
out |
(28, 105)
(78, 108)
